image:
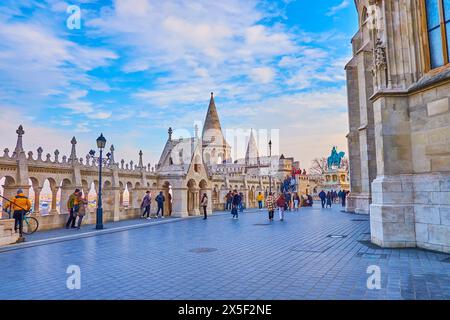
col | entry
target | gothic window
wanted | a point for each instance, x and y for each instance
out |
(437, 26)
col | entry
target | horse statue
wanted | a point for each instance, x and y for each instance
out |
(335, 158)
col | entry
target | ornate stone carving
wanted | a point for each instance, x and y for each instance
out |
(380, 55)
(39, 151)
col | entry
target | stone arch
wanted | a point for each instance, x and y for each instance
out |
(127, 195)
(47, 197)
(92, 195)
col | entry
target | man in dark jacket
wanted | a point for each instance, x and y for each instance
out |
(235, 204)
(160, 201)
(323, 198)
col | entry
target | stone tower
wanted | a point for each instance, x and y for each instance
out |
(215, 148)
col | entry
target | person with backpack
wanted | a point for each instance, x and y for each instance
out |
(20, 205)
(281, 204)
(160, 201)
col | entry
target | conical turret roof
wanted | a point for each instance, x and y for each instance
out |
(212, 121)
(252, 154)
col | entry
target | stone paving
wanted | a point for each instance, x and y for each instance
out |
(221, 258)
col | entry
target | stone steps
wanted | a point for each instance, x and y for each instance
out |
(7, 234)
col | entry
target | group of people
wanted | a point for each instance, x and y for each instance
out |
(234, 202)
(330, 197)
(77, 206)
(285, 201)
(147, 202)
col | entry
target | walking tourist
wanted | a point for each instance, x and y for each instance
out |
(329, 199)
(145, 205)
(228, 199)
(73, 206)
(270, 203)
(234, 205)
(204, 204)
(83, 204)
(160, 201)
(241, 202)
(260, 198)
(323, 198)
(296, 201)
(281, 204)
(343, 198)
(288, 201)
(20, 205)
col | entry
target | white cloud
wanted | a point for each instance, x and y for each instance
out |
(36, 62)
(263, 74)
(335, 9)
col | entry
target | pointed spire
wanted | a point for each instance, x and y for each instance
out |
(212, 121)
(252, 152)
(196, 131)
(73, 152)
(19, 147)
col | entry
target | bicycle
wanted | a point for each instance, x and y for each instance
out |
(30, 225)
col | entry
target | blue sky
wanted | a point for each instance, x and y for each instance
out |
(136, 67)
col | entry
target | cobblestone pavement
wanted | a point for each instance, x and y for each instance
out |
(221, 258)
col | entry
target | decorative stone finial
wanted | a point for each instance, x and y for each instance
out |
(39, 151)
(30, 155)
(111, 157)
(141, 165)
(73, 153)
(19, 147)
(122, 163)
(6, 153)
(170, 131)
(56, 156)
(48, 156)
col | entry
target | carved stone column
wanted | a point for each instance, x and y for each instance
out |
(179, 202)
(37, 196)
(53, 208)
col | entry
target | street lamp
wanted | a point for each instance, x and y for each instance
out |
(101, 142)
(270, 166)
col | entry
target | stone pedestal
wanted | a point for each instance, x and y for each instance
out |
(392, 212)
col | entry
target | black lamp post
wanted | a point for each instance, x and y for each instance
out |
(101, 142)
(270, 166)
